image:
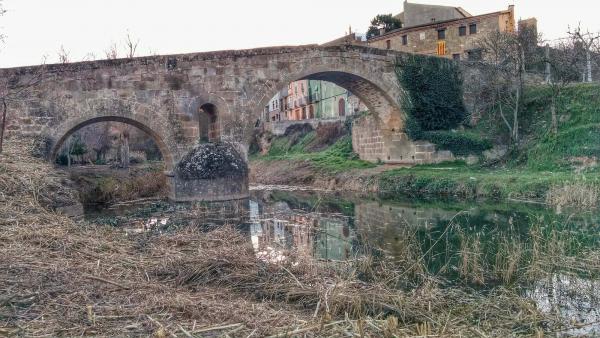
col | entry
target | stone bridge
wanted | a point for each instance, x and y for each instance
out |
(179, 99)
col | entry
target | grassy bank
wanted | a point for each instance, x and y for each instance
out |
(560, 169)
(470, 182)
(313, 148)
(557, 168)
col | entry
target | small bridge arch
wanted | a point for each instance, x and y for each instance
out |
(62, 134)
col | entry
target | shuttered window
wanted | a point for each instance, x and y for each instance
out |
(441, 48)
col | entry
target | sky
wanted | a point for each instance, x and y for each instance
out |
(36, 30)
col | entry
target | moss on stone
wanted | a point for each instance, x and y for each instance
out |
(210, 161)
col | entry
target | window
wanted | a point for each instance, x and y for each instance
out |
(404, 40)
(441, 34)
(311, 112)
(441, 48)
(304, 113)
(456, 57)
(388, 44)
(462, 30)
(342, 107)
(473, 28)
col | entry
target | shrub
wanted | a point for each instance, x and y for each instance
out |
(458, 143)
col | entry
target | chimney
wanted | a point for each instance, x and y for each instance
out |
(381, 31)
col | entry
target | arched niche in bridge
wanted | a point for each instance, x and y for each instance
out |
(62, 136)
(208, 119)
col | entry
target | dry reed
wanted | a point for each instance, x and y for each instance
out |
(61, 277)
(577, 194)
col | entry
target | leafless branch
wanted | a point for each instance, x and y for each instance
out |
(131, 46)
(112, 52)
(63, 55)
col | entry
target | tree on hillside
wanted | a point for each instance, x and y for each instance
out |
(563, 60)
(387, 22)
(125, 147)
(503, 74)
(97, 138)
(586, 42)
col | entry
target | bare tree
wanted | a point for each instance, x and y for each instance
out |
(504, 70)
(125, 148)
(63, 55)
(89, 57)
(562, 59)
(2, 12)
(112, 52)
(131, 46)
(97, 138)
(588, 42)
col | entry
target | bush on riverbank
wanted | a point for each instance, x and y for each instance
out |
(459, 143)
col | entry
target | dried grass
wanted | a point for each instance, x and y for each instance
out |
(61, 277)
(575, 194)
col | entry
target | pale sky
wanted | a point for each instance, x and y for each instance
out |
(38, 28)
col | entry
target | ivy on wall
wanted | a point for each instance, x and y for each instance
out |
(434, 98)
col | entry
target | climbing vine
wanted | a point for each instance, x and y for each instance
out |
(434, 93)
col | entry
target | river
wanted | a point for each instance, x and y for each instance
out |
(482, 246)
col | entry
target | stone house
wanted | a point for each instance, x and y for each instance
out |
(311, 100)
(443, 31)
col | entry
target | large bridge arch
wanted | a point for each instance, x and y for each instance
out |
(372, 78)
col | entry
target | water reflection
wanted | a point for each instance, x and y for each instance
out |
(458, 243)
(571, 297)
(278, 231)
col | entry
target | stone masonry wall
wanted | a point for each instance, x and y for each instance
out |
(367, 139)
(424, 39)
(162, 95)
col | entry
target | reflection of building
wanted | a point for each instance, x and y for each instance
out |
(312, 99)
(443, 30)
(334, 239)
(305, 235)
